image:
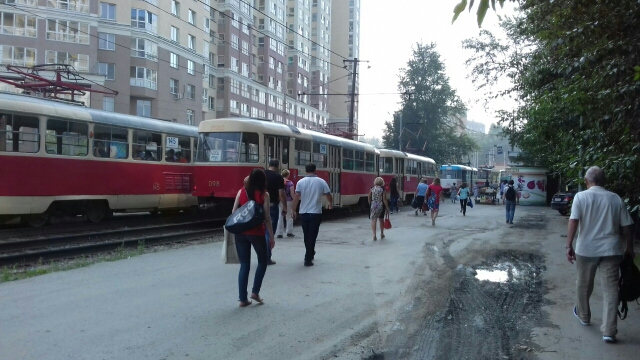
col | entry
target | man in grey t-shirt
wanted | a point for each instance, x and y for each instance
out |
(310, 190)
(597, 215)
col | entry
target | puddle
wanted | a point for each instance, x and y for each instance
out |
(500, 273)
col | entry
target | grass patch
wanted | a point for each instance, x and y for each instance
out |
(14, 273)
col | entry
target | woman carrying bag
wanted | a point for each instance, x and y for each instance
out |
(255, 189)
(378, 205)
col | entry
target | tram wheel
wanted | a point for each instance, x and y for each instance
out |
(96, 211)
(37, 220)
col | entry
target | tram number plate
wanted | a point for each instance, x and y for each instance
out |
(213, 183)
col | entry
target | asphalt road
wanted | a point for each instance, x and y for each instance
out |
(362, 299)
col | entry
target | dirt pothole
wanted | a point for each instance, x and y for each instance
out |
(491, 310)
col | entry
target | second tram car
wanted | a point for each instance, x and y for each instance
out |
(450, 174)
(407, 168)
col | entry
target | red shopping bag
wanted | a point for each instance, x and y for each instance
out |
(387, 222)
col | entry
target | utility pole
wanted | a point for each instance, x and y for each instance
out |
(401, 129)
(354, 73)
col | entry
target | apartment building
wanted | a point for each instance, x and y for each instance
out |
(345, 43)
(155, 54)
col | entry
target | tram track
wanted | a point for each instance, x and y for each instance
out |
(34, 250)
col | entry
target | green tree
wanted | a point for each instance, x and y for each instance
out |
(431, 110)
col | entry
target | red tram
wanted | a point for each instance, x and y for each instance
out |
(58, 158)
(228, 149)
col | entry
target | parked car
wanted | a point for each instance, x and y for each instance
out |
(562, 202)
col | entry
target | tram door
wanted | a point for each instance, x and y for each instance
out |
(334, 166)
(277, 147)
(400, 172)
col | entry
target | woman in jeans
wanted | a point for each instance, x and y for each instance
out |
(255, 189)
(394, 195)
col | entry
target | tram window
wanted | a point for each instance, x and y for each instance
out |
(347, 159)
(285, 152)
(110, 142)
(66, 138)
(24, 129)
(178, 149)
(219, 147)
(147, 146)
(320, 159)
(251, 146)
(303, 152)
(369, 162)
(386, 165)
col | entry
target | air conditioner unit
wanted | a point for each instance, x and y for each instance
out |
(178, 96)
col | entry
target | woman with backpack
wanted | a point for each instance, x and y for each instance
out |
(509, 198)
(464, 196)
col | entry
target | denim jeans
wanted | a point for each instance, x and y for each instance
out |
(463, 206)
(310, 227)
(510, 209)
(274, 212)
(394, 203)
(243, 247)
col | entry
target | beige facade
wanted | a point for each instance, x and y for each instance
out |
(345, 27)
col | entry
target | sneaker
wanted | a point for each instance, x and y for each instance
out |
(308, 263)
(416, 212)
(507, 221)
(279, 236)
(271, 262)
(575, 313)
(511, 222)
(290, 235)
(609, 339)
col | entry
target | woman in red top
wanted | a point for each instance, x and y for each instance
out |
(433, 199)
(254, 189)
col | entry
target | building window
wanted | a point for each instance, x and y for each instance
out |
(143, 108)
(175, 34)
(191, 92)
(143, 19)
(234, 41)
(15, 55)
(18, 24)
(144, 48)
(108, 104)
(78, 61)
(235, 63)
(192, 42)
(175, 8)
(108, 70)
(68, 31)
(106, 41)
(174, 86)
(192, 19)
(107, 11)
(191, 67)
(173, 60)
(73, 5)
(191, 117)
(143, 77)
(212, 103)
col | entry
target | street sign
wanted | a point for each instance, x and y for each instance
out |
(499, 150)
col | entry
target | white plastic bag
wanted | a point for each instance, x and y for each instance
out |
(229, 253)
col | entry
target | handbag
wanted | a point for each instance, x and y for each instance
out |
(470, 203)
(245, 218)
(387, 222)
(399, 203)
(229, 253)
(414, 203)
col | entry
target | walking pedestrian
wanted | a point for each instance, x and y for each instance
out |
(509, 199)
(283, 221)
(309, 193)
(433, 199)
(378, 206)
(453, 192)
(256, 190)
(464, 196)
(598, 215)
(394, 192)
(275, 187)
(421, 191)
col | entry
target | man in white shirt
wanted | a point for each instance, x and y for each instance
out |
(309, 193)
(598, 215)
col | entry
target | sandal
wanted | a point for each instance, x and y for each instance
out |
(375, 238)
(382, 237)
(257, 298)
(244, 303)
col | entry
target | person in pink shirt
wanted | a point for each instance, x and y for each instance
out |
(433, 199)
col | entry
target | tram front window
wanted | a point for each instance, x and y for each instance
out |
(219, 147)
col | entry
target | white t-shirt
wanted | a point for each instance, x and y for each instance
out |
(311, 188)
(601, 213)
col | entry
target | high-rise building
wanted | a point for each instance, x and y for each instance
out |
(159, 71)
(183, 61)
(474, 127)
(345, 43)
